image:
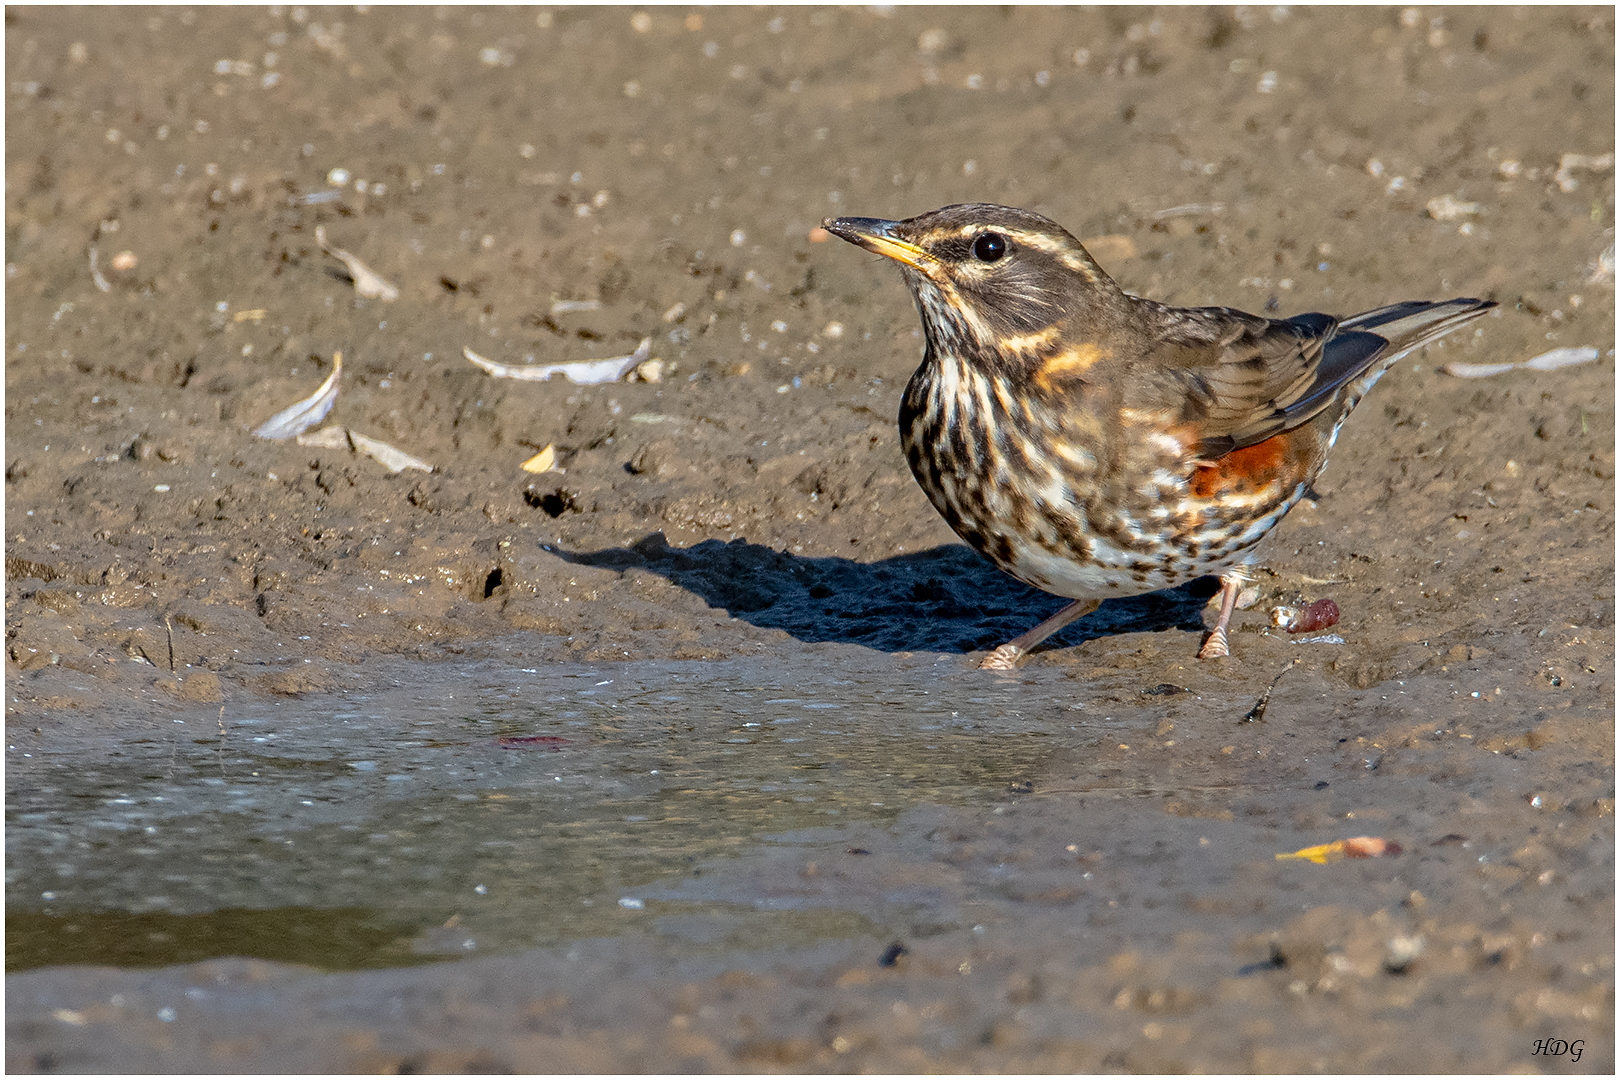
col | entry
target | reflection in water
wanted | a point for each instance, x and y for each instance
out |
(492, 809)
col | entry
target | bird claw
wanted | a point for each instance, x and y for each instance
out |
(1215, 648)
(1003, 659)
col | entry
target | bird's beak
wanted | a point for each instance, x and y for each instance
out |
(875, 234)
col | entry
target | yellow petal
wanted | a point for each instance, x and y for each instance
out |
(543, 461)
(1319, 854)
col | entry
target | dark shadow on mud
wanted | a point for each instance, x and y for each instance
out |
(946, 599)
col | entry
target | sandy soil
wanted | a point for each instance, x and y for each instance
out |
(559, 187)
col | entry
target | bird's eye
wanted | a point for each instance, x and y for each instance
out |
(989, 247)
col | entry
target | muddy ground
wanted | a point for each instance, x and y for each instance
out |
(555, 186)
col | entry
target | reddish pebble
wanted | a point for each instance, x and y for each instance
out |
(818, 235)
(530, 742)
(1315, 616)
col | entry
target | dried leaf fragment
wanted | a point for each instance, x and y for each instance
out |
(1558, 358)
(581, 372)
(1477, 371)
(1547, 361)
(296, 419)
(338, 437)
(335, 437)
(367, 282)
(393, 458)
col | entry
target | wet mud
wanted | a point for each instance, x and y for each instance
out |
(1074, 867)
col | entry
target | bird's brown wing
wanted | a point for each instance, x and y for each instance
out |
(1240, 378)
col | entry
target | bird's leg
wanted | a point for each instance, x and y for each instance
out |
(1007, 656)
(1231, 584)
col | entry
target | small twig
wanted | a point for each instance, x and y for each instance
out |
(1257, 715)
(170, 628)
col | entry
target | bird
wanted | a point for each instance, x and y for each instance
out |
(1094, 443)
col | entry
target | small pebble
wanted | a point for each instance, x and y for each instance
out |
(1403, 950)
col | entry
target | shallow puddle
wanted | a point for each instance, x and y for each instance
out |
(488, 808)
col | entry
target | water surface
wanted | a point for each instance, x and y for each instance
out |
(488, 808)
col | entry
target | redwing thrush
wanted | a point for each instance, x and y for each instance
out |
(1096, 444)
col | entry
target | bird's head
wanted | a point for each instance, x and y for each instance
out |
(985, 276)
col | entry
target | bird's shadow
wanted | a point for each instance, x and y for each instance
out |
(946, 599)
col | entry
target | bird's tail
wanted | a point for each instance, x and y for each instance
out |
(1365, 346)
(1405, 327)
(1408, 325)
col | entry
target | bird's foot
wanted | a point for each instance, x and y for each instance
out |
(1004, 658)
(1216, 647)
(1232, 583)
